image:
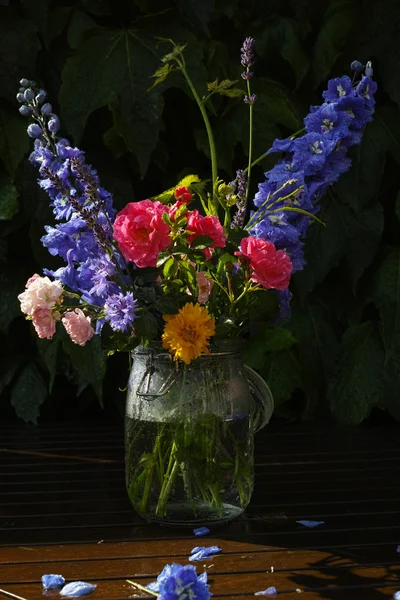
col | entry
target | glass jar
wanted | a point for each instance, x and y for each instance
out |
(189, 434)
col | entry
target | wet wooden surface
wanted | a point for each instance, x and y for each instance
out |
(64, 509)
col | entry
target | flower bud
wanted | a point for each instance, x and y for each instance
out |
(20, 97)
(46, 108)
(24, 110)
(41, 96)
(29, 94)
(24, 82)
(34, 131)
(54, 124)
(356, 66)
(368, 69)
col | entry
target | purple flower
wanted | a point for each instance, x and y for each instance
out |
(310, 152)
(271, 591)
(356, 66)
(51, 582)
(311, 524)
(24, 110)
(357, 110)
(338, 88)
(285, 145)
(247, 57)
(201, 552)
(76, 589)
(120, 311)
(366, 90)
(200, 531)
(328, 121)
(54, 124)
(250, 99)
(46, 109)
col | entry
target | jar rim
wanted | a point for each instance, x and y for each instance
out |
(220, 347)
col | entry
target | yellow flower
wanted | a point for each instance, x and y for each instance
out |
(185, 334)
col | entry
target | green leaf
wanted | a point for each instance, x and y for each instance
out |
(166, 305)
(387, 298)
(146, 326)
(79, 25)
(282, 373)
(37, 12)
(364, 235)
(14, 141)
(18, 50)
(202, 242)
(268, 339)
(332, 37)
(99, 8)
(397, 208)
(9, 366)
(10, 286)
(170, 268)
(48, 350)
(28, 393)
(198, 13)
(57, 21)
(8, 199)
(89, 361)
(111, 68)
(360, 377)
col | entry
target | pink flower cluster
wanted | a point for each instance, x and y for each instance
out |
(142, 234)
(270, 267)
(78, 326)
(37, 302)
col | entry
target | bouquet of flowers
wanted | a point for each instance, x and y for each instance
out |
(202, 260)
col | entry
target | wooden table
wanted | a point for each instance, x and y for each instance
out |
(64, 509)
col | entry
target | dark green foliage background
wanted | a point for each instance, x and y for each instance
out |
(340, 353)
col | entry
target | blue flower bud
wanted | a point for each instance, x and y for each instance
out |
(34, 131)
(29, 94)
(20, 97)
(356, 66)
(24, 82)
(24, 110)
(368, 69)
(46, 108)
(38, 143)
(54, 124)
(41, 96)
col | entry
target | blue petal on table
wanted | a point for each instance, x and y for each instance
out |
(311, 523)
(203, 577)
(51, 581)
(76, 589)
(271, 591)
(154, 586)
(201, 552)
(201, 531)
(397, 595)
(398, 548)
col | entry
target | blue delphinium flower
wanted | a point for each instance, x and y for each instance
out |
(176, 582)
(120, 311)
(312, 162)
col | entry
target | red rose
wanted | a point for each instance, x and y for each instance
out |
(210, 226)
(271, 267)
(184, 194)
(141, 233)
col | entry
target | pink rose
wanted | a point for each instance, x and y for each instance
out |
(210, 226)
(78, 326)
(44, 323)
(141, 233)
(205, 286)
(40, 293)
(271, 267)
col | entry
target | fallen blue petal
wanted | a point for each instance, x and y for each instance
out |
(199, 552)
(201, 531)
(203, 577)
(311, 523)
(76, 589)
(271, 591)
(398, 548)
(154, 586)
(50, 582)
(397, 595)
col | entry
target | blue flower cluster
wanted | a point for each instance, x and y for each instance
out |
(83, 236)
(312, 162)
(176, 582)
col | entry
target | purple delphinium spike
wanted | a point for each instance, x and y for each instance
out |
(201, 552)
(52, 581)
(200, 531)
(247, 57)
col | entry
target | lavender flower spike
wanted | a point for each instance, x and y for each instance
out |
(247, 57)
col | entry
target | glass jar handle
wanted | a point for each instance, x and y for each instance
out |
(262, 396)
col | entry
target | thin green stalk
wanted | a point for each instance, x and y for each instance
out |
(248, 170)
(144, 503)
(260, 158)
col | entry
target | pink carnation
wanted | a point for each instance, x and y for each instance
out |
(209, 226)
(205, 286)
(271, 267)
(78, 326)
(141, 233)
(44, 323)
(40, 293)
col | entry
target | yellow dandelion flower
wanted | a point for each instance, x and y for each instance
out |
(186, 333)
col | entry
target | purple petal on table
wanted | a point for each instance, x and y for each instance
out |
(311, 523)
(396, 595)
(76, 589)
(201, 531)
(271, 591)
(200, 552)
(203, 577)
(51, 581)
(153, 586)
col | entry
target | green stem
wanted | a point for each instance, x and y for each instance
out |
(144, 503)
(211, 142)
(250, 142)
(260, 158)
